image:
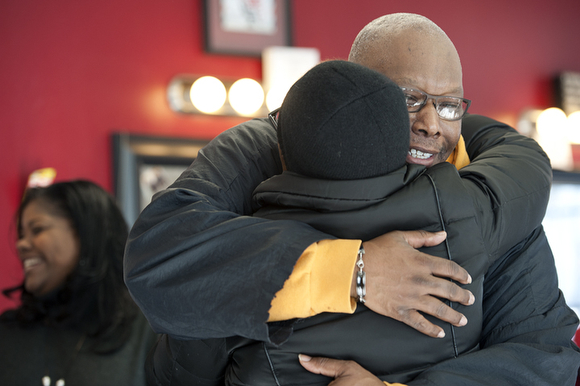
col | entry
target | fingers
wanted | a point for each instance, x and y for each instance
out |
(442, 311)
(418, 239)
(445, 268)
(414, 319)
(405, 243)
(453, 292)
(438, 309)
(405, 284)
(345, 373)
(443, 288)
(439, 267)
(329, 367)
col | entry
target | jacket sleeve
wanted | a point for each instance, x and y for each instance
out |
(509, 179)
(527, 327)
(190, 280)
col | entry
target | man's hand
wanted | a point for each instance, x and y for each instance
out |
(344, 372)
(401, 281)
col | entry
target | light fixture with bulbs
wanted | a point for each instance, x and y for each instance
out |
(282, 66)
(191, 94)
(557, 133)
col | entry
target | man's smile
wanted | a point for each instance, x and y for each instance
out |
(419, 154)
(422, 156)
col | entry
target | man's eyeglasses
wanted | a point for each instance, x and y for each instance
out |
(447, 107)
(273, 116)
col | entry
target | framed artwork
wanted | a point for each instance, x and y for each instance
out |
(144, 165)
(246, 27)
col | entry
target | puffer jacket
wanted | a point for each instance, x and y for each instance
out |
(526, 323)
(410, 198)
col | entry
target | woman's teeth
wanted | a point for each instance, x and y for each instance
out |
(30, 262)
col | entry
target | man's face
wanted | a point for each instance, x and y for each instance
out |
(432, 66)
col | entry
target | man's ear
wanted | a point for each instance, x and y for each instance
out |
(282, 158)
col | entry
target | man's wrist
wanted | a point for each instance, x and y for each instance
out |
(361, 277)
(355, 271)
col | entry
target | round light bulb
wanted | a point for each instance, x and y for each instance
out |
(246, 96)
(574, 127)
(552, 126)
(208, 94)
(551, 122)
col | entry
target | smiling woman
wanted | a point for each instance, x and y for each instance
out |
(76, 322)
(47, 245)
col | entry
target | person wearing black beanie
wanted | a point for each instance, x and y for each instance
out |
(202, 268)
(343, 121)
(343, 135)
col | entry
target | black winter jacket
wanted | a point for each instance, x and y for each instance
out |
(409, 198)
(517, 339)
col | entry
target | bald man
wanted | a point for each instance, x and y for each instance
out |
(199, 268)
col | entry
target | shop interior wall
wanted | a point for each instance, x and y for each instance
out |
(72, 72)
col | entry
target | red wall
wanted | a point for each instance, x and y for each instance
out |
(72, 72)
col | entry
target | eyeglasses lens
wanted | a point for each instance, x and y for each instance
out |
(448, 108)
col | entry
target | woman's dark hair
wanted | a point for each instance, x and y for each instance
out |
(94, 298)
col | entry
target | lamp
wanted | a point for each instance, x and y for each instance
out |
(282, 66)
(207, 94)
(555, 132)
(190, 94)
(574, 128)
(246, 96)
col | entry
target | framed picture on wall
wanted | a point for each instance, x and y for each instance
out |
(144, 165)
(246, 27)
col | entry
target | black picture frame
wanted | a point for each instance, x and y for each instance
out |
(136, 157)
(246, 36)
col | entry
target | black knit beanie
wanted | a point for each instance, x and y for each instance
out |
(343, 121)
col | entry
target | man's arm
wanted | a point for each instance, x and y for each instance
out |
(509, 178)
(508, 182)
(527, 330)
(194, 258)
(195, 265)
(527, 327)
(190, 253)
